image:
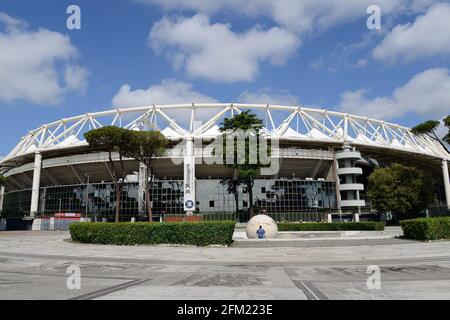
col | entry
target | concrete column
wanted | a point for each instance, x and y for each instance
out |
(356, 217)
(336, 182)
(446, 182)
(2, 196)
(358, 198)
(348, 172)
(329, 218)
(141, 189)
(36, 183)
(189, 177)
(37, 225)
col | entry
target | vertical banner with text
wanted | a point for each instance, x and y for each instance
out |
(189, 183)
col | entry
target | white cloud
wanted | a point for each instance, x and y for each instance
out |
(208, 57)
(75, 78)
(428, 36)
(215, 52)
(11, 23)
(29, 64)
(345, 56)
(170, 91)
(426, 94)
(266, 96)
(299, 16)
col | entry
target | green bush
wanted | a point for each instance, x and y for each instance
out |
(338, 226)
(127, 233)
(426, 228)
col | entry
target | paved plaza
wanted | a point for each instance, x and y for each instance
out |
(33, 265)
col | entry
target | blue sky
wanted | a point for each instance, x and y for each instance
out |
(313, 53)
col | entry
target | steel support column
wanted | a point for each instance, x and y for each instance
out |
(336, 182)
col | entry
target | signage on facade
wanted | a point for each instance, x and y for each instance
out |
(189, 183)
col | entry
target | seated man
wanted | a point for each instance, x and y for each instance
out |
(261, 233)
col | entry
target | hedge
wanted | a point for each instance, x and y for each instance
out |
(338, 226)
(426, 228)
(128, 233)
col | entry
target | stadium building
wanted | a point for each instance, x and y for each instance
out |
(324, 160)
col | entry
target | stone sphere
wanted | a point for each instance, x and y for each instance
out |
(266, 222)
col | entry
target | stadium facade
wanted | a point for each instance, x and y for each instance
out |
(324, 160)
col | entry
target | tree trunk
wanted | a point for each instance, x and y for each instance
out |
(435, 137)
(250, 197)
(118, 188)
(439, 140)
(120, 181)
(148, 190)
(235, 189)
(236, 196)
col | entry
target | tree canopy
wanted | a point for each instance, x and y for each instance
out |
(244, 170)
(145, 147)
(427, 127)
(244, 121)
(112, 139)
(447, 124)
(400, 189)
(430, 127)
(108, 139)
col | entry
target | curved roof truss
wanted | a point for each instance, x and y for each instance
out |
(202, 120)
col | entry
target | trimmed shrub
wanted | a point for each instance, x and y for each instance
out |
(426, 228)
(127, 233)
(338, 226)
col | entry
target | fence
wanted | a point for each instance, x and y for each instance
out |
(214, 216)
(439, 211)
(243, 217)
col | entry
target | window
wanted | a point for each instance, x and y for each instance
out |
(211, 204)
(263, 189)
(245, 204)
